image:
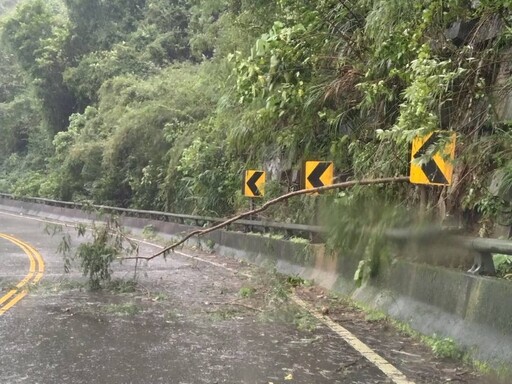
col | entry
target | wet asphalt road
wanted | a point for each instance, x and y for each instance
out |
(181, 329)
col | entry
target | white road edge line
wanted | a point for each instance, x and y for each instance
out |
(385, 366)
(382, 364)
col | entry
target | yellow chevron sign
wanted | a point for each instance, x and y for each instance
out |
(318, 174)
(254, 183)
(439, 169)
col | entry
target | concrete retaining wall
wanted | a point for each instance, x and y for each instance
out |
(475, 311)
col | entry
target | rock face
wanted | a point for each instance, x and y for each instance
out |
(477, 34)
(460, 31)
(496, 187)
(503, 227)
(503, 95)
(474, 31)
(502, 103)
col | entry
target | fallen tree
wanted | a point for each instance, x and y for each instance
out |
(201, 232)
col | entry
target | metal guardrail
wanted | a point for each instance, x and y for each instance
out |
(484, 247)
(490, 245)
(309, 231)
(484, 263)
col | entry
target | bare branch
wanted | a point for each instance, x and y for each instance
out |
(201, 232)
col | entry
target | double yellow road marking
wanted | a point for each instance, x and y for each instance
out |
(35, 274)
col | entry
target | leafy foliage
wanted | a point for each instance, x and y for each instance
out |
(109, 243)
(503, 264)
(43, 57)
(358, 223)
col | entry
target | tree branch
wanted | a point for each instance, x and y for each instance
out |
(201, 232)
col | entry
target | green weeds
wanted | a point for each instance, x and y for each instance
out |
(503, 264)
(149, 232)
(375, 316)
(246, 292)
(304, 321)
(443, 348)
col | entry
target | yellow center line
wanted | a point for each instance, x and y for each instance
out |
(13, 302)
(30, 255)
(7, 296)
(36, 257)
(36, 263)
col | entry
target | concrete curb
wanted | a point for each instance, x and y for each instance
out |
(475, 311)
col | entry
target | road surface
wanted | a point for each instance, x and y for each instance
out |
(195, 318)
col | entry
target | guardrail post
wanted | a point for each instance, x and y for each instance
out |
(483, 264)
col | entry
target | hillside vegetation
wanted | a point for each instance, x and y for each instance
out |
(162, 104)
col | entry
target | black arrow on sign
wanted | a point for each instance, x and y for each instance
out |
(314, 177)
(430, 169)
(251, 183)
